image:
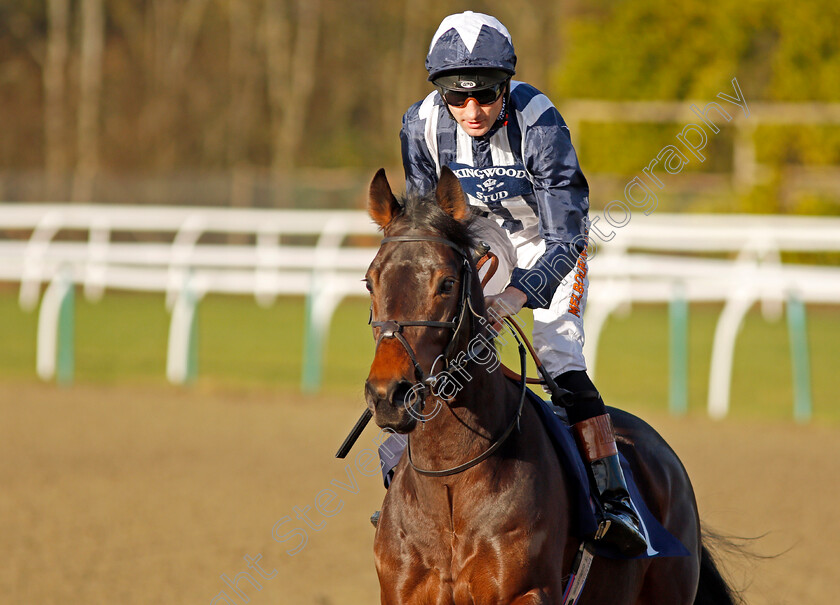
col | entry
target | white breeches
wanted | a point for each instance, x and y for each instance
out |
(558, 330)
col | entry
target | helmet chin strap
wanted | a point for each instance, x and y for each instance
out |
(503, 114)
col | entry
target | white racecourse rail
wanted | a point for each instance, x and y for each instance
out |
(66, 244)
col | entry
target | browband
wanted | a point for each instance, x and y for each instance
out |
(426, 238)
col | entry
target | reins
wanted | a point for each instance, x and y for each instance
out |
(393, 329)
(495, 445)
(559, 397)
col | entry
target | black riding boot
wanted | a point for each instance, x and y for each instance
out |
(618, 524)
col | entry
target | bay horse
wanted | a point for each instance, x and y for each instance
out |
(496, 530)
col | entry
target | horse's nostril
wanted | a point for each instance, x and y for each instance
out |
(374, 392)
(403, 394)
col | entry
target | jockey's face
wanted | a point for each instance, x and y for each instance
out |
(475, 119)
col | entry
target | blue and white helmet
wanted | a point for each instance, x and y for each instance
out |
(470, 41)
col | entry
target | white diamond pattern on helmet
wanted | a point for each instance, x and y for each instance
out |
(468, 25)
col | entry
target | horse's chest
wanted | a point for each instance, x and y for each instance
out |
(476, 567)
(482, 544)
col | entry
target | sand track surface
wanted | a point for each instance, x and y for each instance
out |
(123, 495)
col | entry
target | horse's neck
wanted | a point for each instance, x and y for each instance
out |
(476, 417)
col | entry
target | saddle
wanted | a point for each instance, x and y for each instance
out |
(661, 543)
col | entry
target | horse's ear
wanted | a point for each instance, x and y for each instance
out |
(382, 205)
(450, 196)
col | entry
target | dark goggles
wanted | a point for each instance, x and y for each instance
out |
(482, 96)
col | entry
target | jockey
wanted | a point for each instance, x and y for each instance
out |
(513, 155)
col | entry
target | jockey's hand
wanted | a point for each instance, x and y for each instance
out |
(506, 304)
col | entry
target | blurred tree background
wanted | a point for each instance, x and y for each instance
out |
(296, 102)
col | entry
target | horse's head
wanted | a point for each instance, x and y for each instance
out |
(420, 282)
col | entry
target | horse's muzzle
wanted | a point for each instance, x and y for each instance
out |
(395, 404)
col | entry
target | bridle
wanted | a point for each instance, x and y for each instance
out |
(393, 329)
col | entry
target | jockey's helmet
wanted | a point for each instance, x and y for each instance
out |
(470, 51)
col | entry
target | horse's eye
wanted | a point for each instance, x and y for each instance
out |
(447, 285)
(368, 285)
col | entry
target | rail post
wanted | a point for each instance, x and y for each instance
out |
(800, 360)
(182, 348)
(678, 351)
(56, 330)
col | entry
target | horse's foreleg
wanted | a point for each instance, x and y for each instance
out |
(532, 597)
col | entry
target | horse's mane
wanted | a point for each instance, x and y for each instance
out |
(422, 212)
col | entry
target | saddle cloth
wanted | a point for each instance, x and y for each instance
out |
(661, 543)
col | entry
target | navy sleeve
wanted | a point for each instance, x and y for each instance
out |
(420, 172)
(562, 196)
